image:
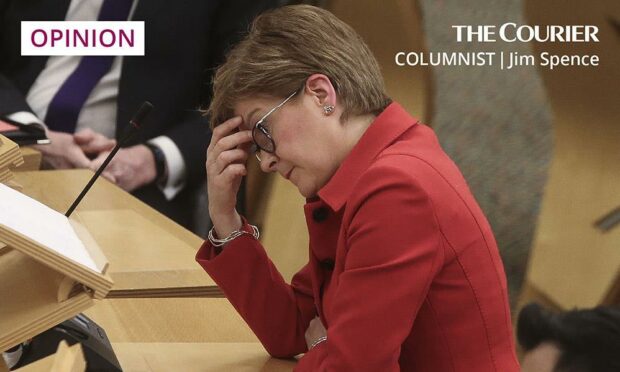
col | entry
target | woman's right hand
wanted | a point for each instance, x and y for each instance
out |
(226, 157)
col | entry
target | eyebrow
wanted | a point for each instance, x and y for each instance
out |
(251, 116)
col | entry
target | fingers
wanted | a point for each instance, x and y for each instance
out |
(111, 173)
(229, 157)
(109, 176)
(98, 145)
(233, 140)
(98, 161)
(225, 128)
(84, 136)
(92, 142)
(234, 171)
(77, 158)
(225, 168)
(314, 332)
(228, 143)
(227, 148)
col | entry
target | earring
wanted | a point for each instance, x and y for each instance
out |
(328, 109)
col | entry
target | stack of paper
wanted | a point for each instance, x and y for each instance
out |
(10, 156)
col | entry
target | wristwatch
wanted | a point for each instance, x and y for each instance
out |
(161, 167)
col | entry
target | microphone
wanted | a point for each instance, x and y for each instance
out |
(136, 122)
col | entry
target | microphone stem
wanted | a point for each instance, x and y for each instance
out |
(133, 129)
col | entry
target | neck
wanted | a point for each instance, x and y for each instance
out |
(354, 129)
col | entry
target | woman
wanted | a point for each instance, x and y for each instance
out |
(404, 272)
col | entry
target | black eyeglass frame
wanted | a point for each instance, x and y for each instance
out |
(270, 146)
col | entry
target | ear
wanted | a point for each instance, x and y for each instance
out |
(321, 90)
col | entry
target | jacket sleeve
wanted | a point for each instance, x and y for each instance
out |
(277, 312)
(394, 251)
(11, 99)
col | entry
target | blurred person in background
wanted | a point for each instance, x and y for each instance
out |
(87, 102)
(585, 340)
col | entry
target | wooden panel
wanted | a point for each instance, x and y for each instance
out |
(29, 293)
(32, 160)
(389, 27)
(572, 262)
(285, 233)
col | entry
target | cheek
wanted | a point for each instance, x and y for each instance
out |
(291, 143)
(284, 135)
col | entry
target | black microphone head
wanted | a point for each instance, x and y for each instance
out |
(139, 116)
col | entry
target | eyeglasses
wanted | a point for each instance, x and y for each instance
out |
(261, 136)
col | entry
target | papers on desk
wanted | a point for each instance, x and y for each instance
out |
(27, 217)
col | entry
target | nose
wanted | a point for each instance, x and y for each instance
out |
(268, 161)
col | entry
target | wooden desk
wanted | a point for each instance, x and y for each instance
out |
(32, 159)
(149, 254)
(59, 188)
(184, 334)
(187, 357)
(154, 333)
(170, 320)
(195, 357)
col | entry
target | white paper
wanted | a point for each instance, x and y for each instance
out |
(43, 225)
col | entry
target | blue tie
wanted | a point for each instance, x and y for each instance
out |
(65, 107)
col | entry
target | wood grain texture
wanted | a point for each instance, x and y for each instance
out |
(198, 357)
(171, 320)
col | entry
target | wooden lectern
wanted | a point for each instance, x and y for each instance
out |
(67, 359)
(39, 286)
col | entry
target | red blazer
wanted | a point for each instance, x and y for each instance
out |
(403, 271)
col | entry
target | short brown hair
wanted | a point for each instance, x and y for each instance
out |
(287, 45)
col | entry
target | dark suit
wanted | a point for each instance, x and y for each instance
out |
(184, 40)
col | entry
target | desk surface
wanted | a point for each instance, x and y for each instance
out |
(185, 334)
(170, 320)
(187, 357)
(146, 250)
(59, 188)
(156, 334)
(195, 357)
